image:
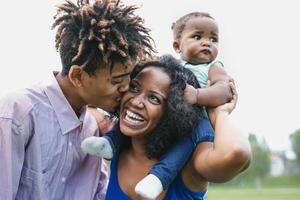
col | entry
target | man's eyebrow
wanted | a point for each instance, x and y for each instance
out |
(121, 75)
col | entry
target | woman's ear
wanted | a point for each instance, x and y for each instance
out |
(75, 75)
(176, 46)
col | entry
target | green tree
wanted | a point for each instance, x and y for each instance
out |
(295, 141)
(261, 157)
(260, 165)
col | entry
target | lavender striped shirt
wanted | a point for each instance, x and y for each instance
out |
(40, 154)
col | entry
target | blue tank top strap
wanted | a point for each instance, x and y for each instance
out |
(114, 190)
(178, 191)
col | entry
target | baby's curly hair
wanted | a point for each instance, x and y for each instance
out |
(180, 118)
(179, 25)
(103, 32)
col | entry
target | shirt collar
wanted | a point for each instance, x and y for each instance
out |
(183, 62)
(66, 116)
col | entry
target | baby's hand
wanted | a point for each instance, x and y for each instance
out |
(190, 94)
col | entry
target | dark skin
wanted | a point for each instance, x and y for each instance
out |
(198, 44)
(103, 90)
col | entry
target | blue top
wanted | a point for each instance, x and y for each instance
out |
(176, 191)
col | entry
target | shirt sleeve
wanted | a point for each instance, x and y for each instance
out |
(218, 63)
(103, 182)
(12, 148)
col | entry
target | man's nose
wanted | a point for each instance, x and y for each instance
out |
(124, 85)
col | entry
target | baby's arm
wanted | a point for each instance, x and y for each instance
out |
(217, 94)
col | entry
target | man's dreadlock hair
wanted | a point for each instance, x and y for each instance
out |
(179, 25)
(103, 32)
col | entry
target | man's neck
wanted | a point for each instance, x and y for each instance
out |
(70, 93)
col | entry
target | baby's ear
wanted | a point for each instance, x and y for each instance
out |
(176, 46)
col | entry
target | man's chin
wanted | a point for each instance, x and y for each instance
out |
(115, 113)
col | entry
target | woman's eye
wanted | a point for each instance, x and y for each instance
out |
(197, 37)
(133, 88)
(153, 99)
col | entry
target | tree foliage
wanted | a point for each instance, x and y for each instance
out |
(261, 157)
(260, 164)
(295, 141)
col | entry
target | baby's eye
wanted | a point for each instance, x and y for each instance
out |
(214, 39)
(197, 37)
(153, 99)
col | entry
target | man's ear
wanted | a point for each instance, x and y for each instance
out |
(75, 75)
(176, 46)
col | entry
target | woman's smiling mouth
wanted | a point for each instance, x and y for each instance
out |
(133, 118)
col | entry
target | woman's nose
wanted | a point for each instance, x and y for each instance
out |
(138, 101)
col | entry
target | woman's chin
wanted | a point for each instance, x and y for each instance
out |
(129, 128)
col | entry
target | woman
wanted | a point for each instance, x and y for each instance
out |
(153, 117)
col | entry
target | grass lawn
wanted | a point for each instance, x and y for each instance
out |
(252, 194)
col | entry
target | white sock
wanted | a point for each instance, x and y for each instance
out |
(98, 146)
(149, 187)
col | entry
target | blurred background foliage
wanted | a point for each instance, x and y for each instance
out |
(273, 175)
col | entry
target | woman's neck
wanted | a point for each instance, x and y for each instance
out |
(133, 166)
(137, 150)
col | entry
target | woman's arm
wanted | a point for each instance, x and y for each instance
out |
(228, 156)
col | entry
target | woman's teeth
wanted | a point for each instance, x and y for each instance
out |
(133, 118)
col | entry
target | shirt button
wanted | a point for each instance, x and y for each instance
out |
(63, 179)
(70, 144)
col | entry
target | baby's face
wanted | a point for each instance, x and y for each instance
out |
(199, 40)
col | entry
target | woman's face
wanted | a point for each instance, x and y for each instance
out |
(142, 107)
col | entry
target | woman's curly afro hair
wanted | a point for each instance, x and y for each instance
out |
(180, 118)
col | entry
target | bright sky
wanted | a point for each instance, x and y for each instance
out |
(258, 45)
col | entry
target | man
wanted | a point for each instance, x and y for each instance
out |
(41, 128)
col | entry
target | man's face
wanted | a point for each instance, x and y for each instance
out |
(106, 87)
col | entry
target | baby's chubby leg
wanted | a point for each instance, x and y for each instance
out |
(98, 146)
